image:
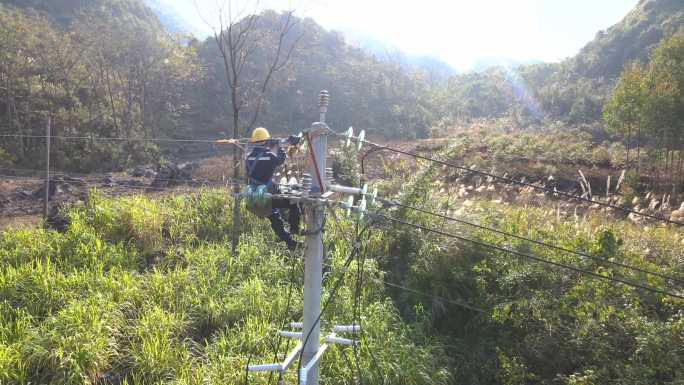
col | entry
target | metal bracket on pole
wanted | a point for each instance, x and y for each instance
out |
(312, 364)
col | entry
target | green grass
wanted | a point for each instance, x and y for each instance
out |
(147, 291)
(542, 325)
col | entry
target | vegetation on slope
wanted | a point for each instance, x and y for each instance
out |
(147, 291)
(540, 324)
(648, 107)
(142, 291)
(101, 76)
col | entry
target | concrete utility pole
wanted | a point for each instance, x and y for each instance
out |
(313, 263)
(316, 191)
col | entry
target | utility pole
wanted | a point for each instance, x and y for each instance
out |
(313, 263)
(46, 203)
(316, 192)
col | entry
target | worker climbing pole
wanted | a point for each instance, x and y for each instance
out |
(313, 193)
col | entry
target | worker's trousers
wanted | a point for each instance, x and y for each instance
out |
(293, 218)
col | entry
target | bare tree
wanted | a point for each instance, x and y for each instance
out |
(242, 43)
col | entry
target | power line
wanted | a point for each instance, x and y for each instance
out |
(104, 138)
(559, 248)
(132, 186)
(379, 147)
(532, 257)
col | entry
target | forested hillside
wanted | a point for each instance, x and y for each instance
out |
(97, 69)
(108, 68)
(574, 90)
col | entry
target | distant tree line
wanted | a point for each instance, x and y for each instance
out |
(95, 77)
(647, 108)
(105, 69)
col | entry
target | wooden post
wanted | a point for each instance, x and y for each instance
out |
(46, 204)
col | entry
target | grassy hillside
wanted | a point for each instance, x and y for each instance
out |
(141, 291)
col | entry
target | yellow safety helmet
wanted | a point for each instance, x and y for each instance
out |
(260, 134)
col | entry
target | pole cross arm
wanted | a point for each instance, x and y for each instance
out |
(303, 372)
(334, 339)
(294, 335)
(281, 367)
(347, 328)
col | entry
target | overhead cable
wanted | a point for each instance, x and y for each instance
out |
(378, 147)
(544, 244)
(623, 281)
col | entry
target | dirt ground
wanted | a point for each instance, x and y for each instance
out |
(21, 199)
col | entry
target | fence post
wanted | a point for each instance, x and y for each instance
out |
(46, 203)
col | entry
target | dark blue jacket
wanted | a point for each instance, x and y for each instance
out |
(261, 165)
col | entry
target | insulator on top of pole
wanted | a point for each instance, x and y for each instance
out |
(323, 102)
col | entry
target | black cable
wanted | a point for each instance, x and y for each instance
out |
(365, 155)
(103, 138)
(563, 249)
(336, 287)
(356, 319)
(532, 257)
(293, 270)
(526, 184)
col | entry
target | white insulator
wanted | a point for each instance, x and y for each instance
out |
(360, 139)
(332, 339)
(362, 207)
(349, 134)
(349, 204)
(264, 368)
(294, 335)
(344, 189)
(373, 196)
(347, 328)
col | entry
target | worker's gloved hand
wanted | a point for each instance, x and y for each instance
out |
(294, 139)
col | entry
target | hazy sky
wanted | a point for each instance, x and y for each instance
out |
(460, 32)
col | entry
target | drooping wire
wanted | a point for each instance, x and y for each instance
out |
(534, 241)
(378, 147)
(286, 312)
(103, 138)
(623, 281)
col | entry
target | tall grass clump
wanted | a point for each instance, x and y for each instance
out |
(145, 291)
(506, 319)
